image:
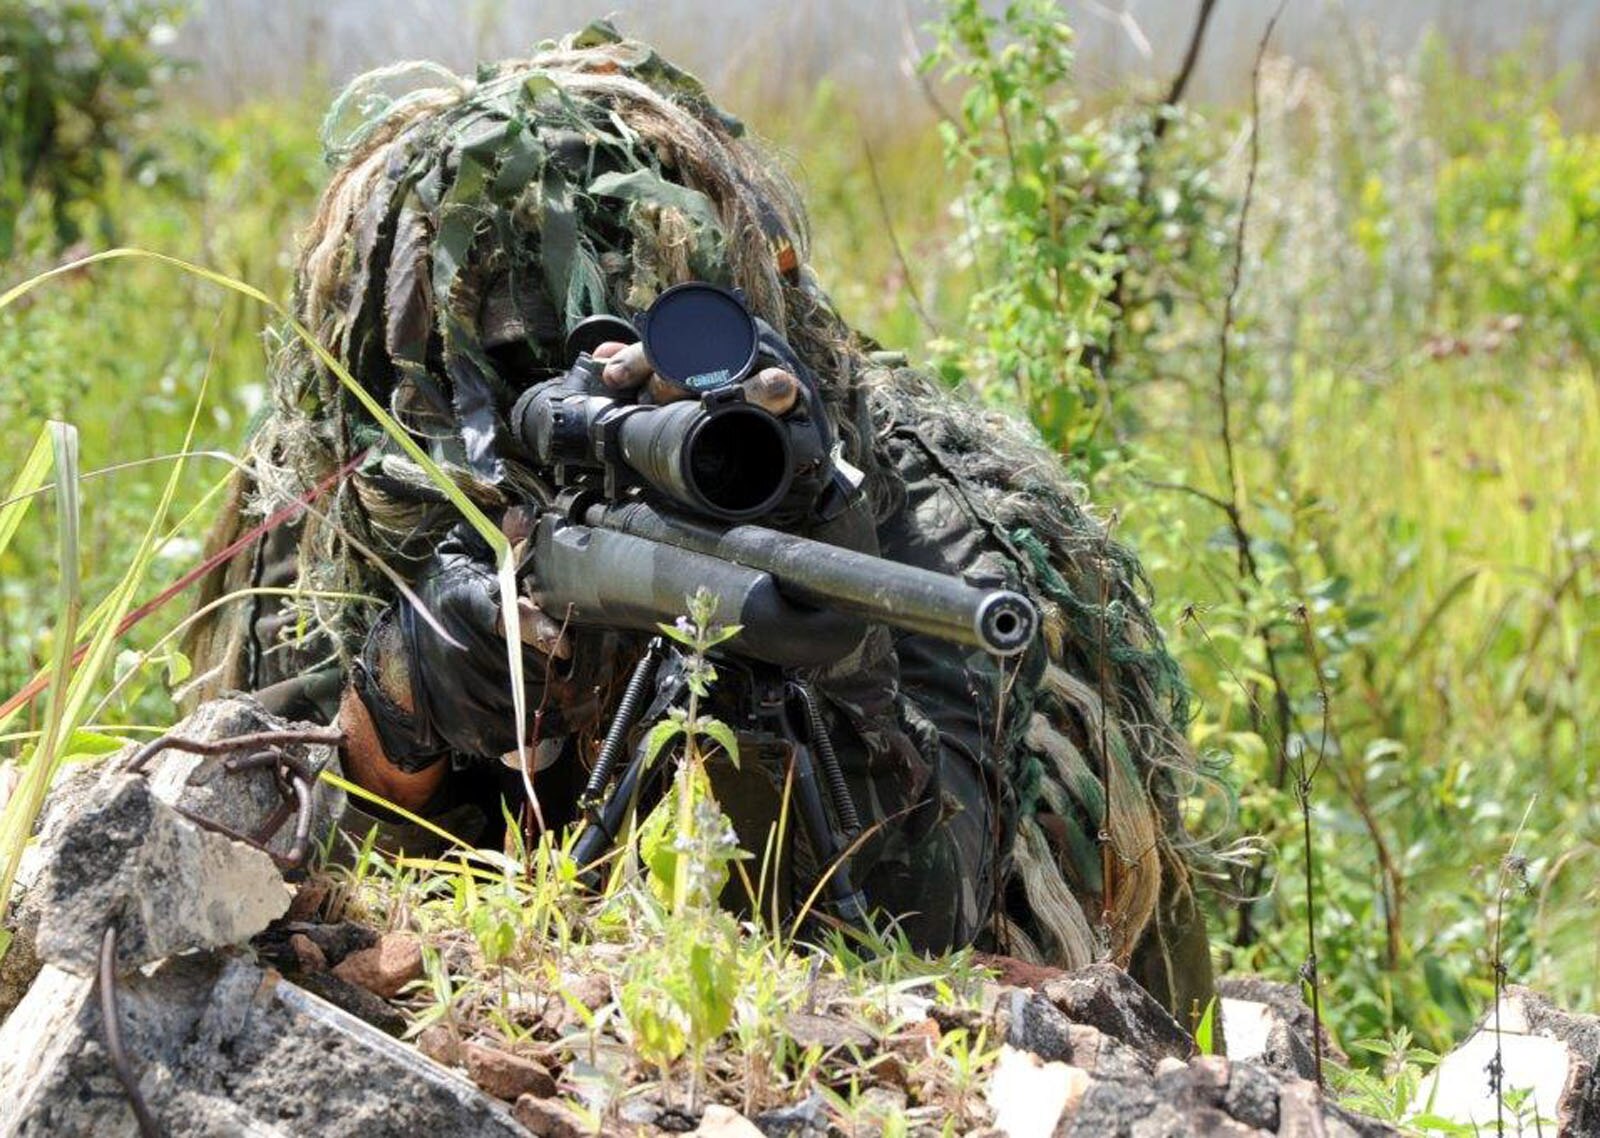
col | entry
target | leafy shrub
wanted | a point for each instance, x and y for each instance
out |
(1081, 232)
(74, 78)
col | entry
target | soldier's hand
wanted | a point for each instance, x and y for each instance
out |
(772, 389)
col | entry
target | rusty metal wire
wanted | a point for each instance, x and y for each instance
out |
(275, 739)
(111, 1018)
(293, 774)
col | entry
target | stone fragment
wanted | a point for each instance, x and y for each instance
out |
(307, 953)
(440, 1044)
(241, 800)
(725, 1122)
(386, 967)
(1104, 1057)
(219, 1048)
(1034, 1024)
(1030, 1096)
(592, 990)
(916, 1041)
(1542, 1050)
(550, 1118)
(21, 962)
(810, 1030)
(354, 999)
(170, 886)
(1305, 1112)
(1252, 1096)
(308, 901)
(505, 1075)
(1267, 1021)
(1106, 997)
(807, 1118)
(1110, 1106)
(337, 939)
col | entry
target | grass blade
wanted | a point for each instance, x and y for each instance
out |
(16, 823)
(29, 479)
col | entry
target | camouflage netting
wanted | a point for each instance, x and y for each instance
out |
(470, 223)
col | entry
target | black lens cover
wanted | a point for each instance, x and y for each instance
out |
(592, 331)
(699, 336)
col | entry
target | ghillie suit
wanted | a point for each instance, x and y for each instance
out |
(468, 225)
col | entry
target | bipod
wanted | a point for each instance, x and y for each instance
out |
(782, 710)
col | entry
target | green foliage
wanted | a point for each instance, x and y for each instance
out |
(679, 991)
(75, 77)
(1076, 231)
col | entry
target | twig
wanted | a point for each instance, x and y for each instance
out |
(1236, 495)
(1303, 781)
(1393, 893)
(1510, 864)
(1191, 56)
(917, 306)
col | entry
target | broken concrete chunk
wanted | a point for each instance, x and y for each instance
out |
(1545, 1053)
(170, 886)
(1030, 1096)
(1269, 1022)
(243, 801)
(1106, 997)
(223, 1048)
(1034, 1024)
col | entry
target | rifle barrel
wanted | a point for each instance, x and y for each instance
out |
(1000, 621)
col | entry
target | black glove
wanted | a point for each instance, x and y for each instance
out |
(459, 695)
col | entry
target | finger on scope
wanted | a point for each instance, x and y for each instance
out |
(627, 368)
(773, 389)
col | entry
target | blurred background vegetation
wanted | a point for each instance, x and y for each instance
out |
(1371, 536)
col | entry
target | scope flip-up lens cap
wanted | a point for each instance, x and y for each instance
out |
(592, 331)
(699, 336)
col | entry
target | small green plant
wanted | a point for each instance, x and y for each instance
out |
(679, 994)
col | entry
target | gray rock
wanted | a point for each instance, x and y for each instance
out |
(243, 801)
(354, 999)
(21, 962)
(170, 885)
(223, 1048)
(1268, 1022)
(1106, 997)
(1033, 1023)
(1252, 1096)
(1110, 1107)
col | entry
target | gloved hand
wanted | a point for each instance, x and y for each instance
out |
(428, 696)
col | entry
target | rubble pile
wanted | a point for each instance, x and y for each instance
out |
(172, 971)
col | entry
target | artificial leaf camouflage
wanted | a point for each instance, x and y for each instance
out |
(468, 225)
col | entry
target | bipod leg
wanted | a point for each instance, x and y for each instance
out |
(847, 901)
(604, 820)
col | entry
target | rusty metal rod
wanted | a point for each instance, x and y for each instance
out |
(326, 735)
(110, 1016)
